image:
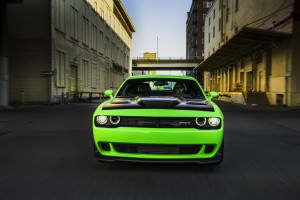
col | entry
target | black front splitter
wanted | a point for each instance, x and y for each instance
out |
(215, 160)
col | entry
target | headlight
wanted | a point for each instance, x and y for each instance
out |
(200, 121)
(114, 120)
(214, 121)
(101, 120)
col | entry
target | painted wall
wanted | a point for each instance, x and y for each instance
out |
(29, 49)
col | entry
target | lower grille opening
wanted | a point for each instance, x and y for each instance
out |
(209, 148)
(156, 149)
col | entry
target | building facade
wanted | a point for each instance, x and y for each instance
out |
(195, 29)
(251, 53)
(67, 48)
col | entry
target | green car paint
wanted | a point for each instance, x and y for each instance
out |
(166, 128)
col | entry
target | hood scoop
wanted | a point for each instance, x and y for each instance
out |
(120, 101)
(157, 102)
(198, 102)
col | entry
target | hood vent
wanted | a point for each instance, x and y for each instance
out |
(154, 102)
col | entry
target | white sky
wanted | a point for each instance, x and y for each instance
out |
(163, 18)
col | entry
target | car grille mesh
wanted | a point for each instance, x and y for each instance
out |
(162, 122)
(156, 149)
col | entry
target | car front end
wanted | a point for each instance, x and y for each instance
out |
(158, 129)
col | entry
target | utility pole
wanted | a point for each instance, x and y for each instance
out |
(157, 47)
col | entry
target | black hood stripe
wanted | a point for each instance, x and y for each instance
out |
(158, 103)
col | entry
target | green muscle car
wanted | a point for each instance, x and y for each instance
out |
(159, 118)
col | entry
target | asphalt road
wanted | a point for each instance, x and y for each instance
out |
(46, 153)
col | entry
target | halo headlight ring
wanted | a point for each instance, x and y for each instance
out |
(201, 121)
(114, 120)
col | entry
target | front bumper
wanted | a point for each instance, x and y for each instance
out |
(158, 136)
(215, 160)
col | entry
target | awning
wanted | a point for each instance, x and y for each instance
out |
(243, 43)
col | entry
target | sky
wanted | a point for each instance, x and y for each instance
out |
(165, 19)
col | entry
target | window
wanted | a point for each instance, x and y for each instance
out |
(208, 37)
(106, 46)
(85, 73)
(214, 14)
(113, 51)
(94, 37)
(95, 5)
(60, 62)
(100, 43)
(227, 14)
(60, 15)
(94, 75)
(159, 87)
(209, 21)
(213, 32)
(236, 5)
(74, 23)
(85, 31)
(207, 4)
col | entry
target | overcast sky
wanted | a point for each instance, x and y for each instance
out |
(163, 18)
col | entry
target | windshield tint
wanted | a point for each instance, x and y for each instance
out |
(160, 87)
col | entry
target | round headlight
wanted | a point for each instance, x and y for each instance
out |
(200, 121)
(114, 120)
(101, 120)
(214, 121)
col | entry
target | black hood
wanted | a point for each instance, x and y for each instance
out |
(159, 103)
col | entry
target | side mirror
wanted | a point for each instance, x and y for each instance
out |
(213, 95)
(109, 93)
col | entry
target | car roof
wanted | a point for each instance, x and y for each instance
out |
(161, 76)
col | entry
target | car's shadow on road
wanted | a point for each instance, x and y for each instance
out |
(156, 167)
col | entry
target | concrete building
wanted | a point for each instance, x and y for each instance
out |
(67, 48)
(195, 33)
(251, 51)
(195, 29)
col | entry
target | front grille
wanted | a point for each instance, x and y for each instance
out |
(156, 149)
(162, 122)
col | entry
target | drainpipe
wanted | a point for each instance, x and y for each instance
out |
(287, 72)
(3, 55)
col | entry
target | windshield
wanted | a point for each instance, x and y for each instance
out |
(160, 87)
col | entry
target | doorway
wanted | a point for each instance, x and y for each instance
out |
(249, 83)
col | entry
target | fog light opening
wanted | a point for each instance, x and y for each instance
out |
(209, 148)
(105, 146)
